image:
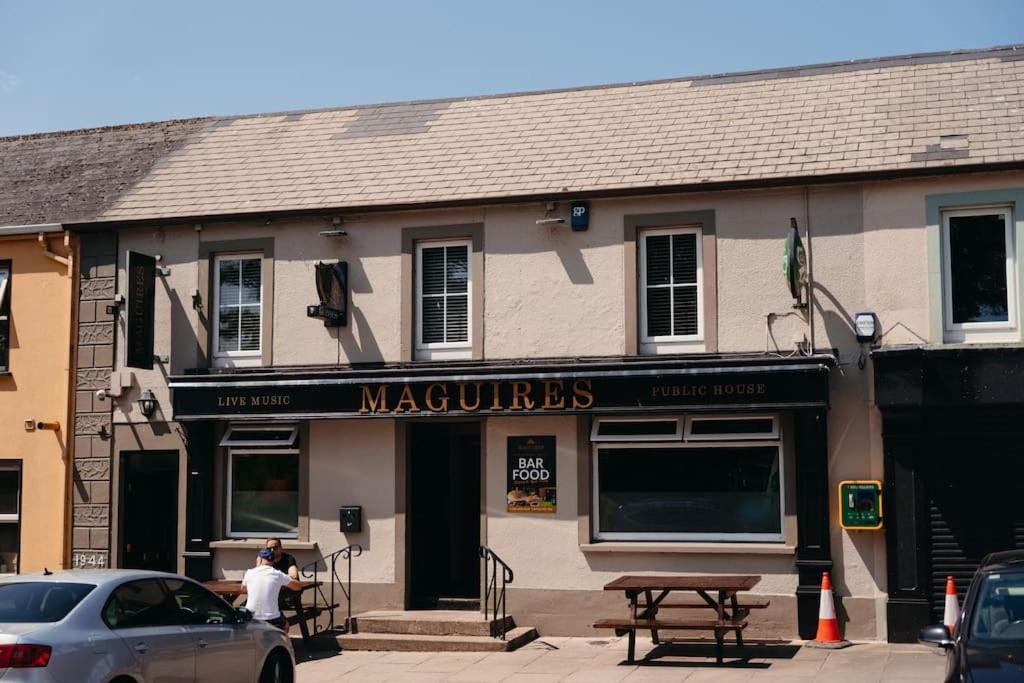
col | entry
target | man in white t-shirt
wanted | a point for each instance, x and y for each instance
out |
(262, 584)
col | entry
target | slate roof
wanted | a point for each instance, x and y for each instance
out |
(920, 112)
(74, 176)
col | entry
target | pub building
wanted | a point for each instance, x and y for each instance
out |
(557, 325)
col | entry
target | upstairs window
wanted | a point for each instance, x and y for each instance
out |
(979, 275)
(238, 309)
(443, 283)
(5, 315)
(670, 290)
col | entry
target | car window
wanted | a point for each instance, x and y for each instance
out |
(196, 605)
(999, 611)
(139, 603)
(38, 602)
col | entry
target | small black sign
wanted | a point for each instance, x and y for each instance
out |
(141, 297)
(532, 486)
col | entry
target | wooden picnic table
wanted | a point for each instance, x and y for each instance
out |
(718, 593)
(230, 590)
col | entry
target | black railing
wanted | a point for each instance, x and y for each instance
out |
(327, 602)
(494, 594)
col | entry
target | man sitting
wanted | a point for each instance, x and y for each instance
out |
(262, 584)
(283, 562)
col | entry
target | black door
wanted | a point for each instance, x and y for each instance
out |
(973, 489)
(149, 510)
(444, 515)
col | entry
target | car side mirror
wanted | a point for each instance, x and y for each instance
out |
(243, 615)
(937, 635)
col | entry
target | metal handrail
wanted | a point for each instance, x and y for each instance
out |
(330, 563)
(493, 595)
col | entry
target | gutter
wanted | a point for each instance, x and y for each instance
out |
(557, 196)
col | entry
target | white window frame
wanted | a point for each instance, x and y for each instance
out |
(444, 350)
(671, 343)
(677, 436)
(595, 516)
(293, 427)
(757, 436)
(980, 331)
(293, 452)
(235, 358)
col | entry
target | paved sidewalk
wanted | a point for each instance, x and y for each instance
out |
(602, 660)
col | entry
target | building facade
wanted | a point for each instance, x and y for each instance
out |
(556, 325)
(36, 283)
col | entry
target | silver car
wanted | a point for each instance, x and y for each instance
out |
(126, 626)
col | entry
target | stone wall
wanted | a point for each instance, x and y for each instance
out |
(92, 457)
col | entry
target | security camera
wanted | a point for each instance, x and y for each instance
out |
(102, 394)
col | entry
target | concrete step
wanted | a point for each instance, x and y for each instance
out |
(405, 642)
(428, 623)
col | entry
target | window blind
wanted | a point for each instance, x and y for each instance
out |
(444, 288)
(671, 284)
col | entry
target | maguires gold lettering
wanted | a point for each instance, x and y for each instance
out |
(470, 397)
(256, 401)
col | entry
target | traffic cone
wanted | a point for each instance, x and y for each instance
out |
(828, 626)
(952, 612)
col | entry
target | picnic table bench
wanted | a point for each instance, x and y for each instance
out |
(718, 593)
(230, 590)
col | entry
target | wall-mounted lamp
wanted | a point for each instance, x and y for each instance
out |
(147, 403)
(865, 327)
(548, 218)
(335, 230)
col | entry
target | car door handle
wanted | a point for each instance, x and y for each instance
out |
(202, 643)
(141, 648)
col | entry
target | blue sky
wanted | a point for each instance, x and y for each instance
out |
(78, 64)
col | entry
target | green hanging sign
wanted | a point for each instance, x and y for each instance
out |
(795, 263)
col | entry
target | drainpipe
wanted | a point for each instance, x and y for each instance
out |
(810, 272)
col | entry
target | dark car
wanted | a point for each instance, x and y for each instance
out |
(988, 640)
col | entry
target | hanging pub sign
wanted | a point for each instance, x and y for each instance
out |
(794, 264)
(332, 287)
(141, 297)
(532, 485)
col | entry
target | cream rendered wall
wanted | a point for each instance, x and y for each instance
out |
(352, 462)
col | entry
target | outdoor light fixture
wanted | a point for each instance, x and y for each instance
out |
(335, 231)
(147, 403)
(548, 218)
(865, 327)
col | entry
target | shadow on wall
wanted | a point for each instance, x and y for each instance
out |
(775, 565)
(357, 343)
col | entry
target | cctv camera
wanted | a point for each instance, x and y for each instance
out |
(101, 394)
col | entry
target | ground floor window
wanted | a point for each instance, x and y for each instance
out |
(10, 517)
(715, 487)
(263, 494)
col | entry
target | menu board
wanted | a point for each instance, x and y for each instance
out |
(532, 483)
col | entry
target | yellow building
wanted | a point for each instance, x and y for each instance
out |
(36, 286)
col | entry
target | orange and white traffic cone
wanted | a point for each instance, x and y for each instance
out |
(952, 612)
(828, 626)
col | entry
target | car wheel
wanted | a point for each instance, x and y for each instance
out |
(277, 669)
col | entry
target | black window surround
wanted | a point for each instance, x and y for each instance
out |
(6, 281)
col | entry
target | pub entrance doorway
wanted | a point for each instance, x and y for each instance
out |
(149, 510)
(443, 521)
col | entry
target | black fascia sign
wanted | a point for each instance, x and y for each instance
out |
(141, 302)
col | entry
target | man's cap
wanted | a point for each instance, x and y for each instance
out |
(266, 554)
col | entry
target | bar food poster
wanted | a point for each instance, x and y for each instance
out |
(531, 474)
